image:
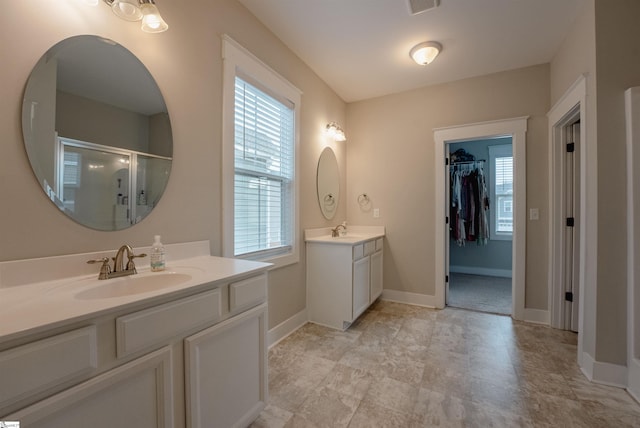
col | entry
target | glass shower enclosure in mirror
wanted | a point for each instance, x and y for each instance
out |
(97, 132)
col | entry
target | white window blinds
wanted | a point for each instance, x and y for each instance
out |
(501, 161)
(263, 169)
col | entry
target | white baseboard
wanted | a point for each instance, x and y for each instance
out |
(409, 298)
(473, 270)
(604, 373)
(285, 328)
(633, 383)
(536, 316)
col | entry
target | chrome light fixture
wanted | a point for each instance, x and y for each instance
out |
(136, 10)
(335, 132)
(424, 53)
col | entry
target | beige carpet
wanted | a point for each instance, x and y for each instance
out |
(480, 293)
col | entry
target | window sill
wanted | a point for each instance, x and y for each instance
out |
(279, 260)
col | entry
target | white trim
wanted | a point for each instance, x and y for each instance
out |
(536, 316)
(286, 327)
(632, 104)
(571, 104)
(604, 373)
(576, 95)
(517, 128)
(237, 58)
(475, 270)
(409, 298)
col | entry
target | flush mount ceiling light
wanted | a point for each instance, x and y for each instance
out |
(335, 132)
(425, 53)
(136, 10)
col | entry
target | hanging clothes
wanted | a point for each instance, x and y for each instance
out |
(469, 204)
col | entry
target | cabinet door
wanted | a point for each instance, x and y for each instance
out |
(376, 275)
(137, 394)
(360, 286)
(226, 372)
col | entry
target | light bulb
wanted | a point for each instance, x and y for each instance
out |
(152, 22)
(127, 9)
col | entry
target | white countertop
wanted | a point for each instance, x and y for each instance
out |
(30, 308)
(355, 235)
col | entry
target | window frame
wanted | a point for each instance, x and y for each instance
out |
(498, 151)
(239, 62)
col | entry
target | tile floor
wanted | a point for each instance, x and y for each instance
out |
(407, 366)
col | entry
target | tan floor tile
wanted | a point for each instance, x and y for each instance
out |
(370, 415)
(407, 366)
(327, 408)
(392, 394)
(272, 417)
(347, 380)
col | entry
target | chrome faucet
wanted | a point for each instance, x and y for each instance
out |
(119, 268)
(335, 232)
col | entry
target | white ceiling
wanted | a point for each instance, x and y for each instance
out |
(361, 47)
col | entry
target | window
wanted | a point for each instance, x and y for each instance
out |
(501, 189)
(263, 164)
(260, 214)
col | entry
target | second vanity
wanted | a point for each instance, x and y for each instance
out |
(344, 273)
(183, 347)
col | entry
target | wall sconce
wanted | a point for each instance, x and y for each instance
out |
(136, 10)
(335, 132)
(425, 53)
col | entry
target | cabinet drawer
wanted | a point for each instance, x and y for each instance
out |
(247, 293)
(369, 247)
(358, 251)
(379, 244)
(155, 326)
(34, 367)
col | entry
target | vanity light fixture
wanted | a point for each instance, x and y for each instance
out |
(424, 53)
(136, 10)
(334, 131)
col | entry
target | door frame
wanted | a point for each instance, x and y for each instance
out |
(632, 101)
(516, 128)
(569, 107)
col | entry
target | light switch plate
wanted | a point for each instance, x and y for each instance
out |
(534, 214)
(376, 212)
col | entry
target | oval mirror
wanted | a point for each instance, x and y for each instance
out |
(328, 183)
(97, 132)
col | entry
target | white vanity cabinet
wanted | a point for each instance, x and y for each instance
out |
(343, 278)
(198, 359)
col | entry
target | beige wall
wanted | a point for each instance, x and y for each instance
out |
(604, 44)
(390, 157)
(186, 63)
(577, 57)
(618, 68)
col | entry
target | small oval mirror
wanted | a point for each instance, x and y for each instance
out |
(328, 183)
(97, 132)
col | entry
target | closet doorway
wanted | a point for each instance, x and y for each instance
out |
(480, 202)
(515, 129)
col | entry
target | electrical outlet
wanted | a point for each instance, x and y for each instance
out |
(376, 212)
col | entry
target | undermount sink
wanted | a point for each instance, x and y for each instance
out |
(130, 285)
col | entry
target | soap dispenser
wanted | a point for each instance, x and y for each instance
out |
(157, 255)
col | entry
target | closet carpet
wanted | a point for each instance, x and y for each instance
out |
(408, 366)
(480, 293)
